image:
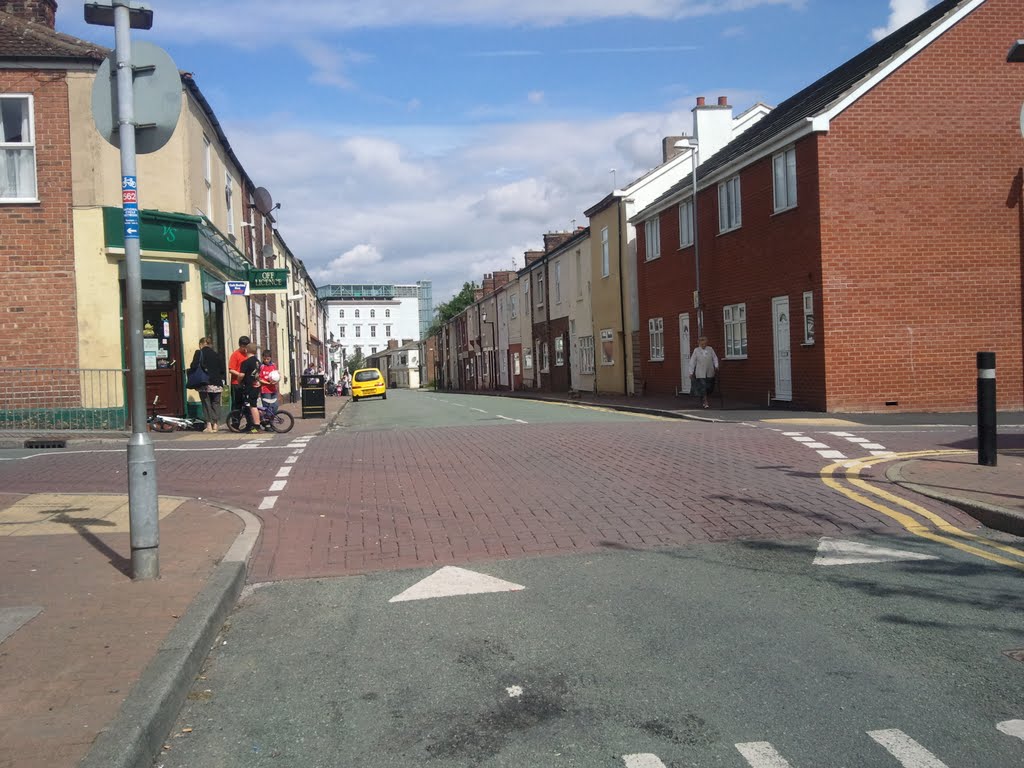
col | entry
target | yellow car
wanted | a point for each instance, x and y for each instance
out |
(368, 382)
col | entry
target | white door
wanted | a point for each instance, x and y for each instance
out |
(684, 351)
(783, 363)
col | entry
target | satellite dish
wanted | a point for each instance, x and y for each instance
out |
(264, 202)
(267, 252)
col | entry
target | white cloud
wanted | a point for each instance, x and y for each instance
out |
(901, 12)
(535, 97)
(360, 257)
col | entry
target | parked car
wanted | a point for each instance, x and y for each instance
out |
(368, 382)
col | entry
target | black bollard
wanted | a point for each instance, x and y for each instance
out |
(987, 409)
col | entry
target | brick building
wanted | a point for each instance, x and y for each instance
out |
(861, 242)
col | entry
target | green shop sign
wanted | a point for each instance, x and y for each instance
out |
(160, 231)
(268, 280)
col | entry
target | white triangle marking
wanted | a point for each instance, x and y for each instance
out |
(1012, 728)
(839, 552)
(451, 581)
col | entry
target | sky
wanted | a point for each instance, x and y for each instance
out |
(410, 140)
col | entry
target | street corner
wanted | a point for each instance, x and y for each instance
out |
(48, 514)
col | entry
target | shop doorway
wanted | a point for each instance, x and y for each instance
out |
(161, 341)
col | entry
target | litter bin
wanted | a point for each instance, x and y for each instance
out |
(313, 406)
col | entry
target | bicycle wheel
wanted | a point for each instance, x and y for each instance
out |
(159, 425)
(282, 421)
(235, 421)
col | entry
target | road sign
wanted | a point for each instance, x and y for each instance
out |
(156, 92)
(130, 203)
(236, 288)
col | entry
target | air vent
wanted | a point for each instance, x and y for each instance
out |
(39, 443)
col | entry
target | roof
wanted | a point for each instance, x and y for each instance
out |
(581, 233)
(818, 96)
(28, 40)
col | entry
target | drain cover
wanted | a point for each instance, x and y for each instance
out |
(46, 443)
(1017, 655)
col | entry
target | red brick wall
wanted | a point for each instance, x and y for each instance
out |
(769, 255)
(38, 315)
(922, 229)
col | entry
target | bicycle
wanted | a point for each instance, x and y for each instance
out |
(159, 422)
(280, 422)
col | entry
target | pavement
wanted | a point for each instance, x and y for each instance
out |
(95, 667)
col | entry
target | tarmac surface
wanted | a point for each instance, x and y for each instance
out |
(94, 667)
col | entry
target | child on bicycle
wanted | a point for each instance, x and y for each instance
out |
(250, 389)
(269, 377)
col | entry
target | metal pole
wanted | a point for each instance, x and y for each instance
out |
(696, 251)
(144, 520)
(987, 409)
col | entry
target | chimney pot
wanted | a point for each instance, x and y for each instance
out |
(700, 101)
(723, 101)
(40, 11)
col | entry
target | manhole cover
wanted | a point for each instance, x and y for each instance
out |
(46, 443)
(1017, 655)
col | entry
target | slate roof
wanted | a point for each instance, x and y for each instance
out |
(20, 39)
(818, 96)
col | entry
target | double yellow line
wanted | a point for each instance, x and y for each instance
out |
(939, 530)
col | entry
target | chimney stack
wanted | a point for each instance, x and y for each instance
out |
(488, 285)
(532, 256)
(554, 239)
(669, 148)
(712, 126)
(40, 11)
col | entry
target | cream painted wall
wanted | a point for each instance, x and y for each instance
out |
(97, 294)
(606, 300)
(580, 316)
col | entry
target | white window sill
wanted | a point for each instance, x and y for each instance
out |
(607, 365)
(656, 360)
(784, 210)
(731, 229)
(603, 277)
(807, 344)
(736, 357)
(652, 258)
(685, 245)
(19, 201)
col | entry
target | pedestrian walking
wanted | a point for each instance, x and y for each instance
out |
(210, 360)
(703, 369)
(250, 389)
(269, 377)
(235, 370)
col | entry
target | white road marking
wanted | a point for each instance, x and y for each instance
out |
(284, 472)
(761, 754)
(840, 552)
(478, 410)
(298, 451)
(842, 434)
(792, 434)
(858, 440)
(291, 459)
(816, 445)
(906, 750)
(1013, 728)
(803, 439)
(451, 581)
(832, 454)
(278, 485)
(515, 691)
(268, 502)
(873, 446)
(509, 418)
(643, 760)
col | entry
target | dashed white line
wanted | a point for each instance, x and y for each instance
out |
(802, 438)
(816, 445)
(832, 454)
(284, 472)
(278, 485)
(291, 459)
(873, 446)
(761, 754)
(857, 440)
(881, 453)
(842, 434)
(509, 418)
(268, 502)
(478, 410)
(643, 760)
(909, 753)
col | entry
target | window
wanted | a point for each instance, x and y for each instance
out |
(808, 317)
(387, 331)
(558, 282)
(540, 287)
(586, 354)
(729, 204)
(579, 277)
(373, 328)
(341, 332)
(605, 248)
(208, 173)
(528, 359)
(341, 313)
(373, 313)
(359, 330)
(607, 347)
(656, 330)
(686, 223)
(513, 303)
(784, 179)
(229, 204)
(559, 350)
(735, 318)
(387, 313)
(545, 359)
(653, 237)
(516, 363)
(373, 350)
(357, 313)
(17, 149)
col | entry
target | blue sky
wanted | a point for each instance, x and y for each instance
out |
(410, 140)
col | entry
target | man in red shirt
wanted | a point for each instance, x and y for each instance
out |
(235, 371)
(269, 377)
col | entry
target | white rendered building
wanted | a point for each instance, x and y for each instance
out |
(365, 317)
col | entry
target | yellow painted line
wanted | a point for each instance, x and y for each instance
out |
(603, 409)
(813, 422)
(910, 524)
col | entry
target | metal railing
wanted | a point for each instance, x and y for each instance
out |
(63, 399)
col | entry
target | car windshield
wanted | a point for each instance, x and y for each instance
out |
(367, 375)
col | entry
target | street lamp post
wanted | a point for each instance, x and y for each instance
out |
(698, 302)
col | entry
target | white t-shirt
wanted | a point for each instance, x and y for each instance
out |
(703, 363)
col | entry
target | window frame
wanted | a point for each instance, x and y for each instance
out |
(734, 325)
(22, 146)
(607, 337)
(730, 205)
(808, 304)
(656, 336)
(652, 239)
(540, 287)
(558, 282)
(789, 191)
(208, 174)
(686, 225)
(545, 357)
(559, 350)
(605, 253)
(586, 347)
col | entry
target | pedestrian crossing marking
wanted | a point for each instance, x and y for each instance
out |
(643, 760)
(909, 753)
(761, 754)
(451, 581)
